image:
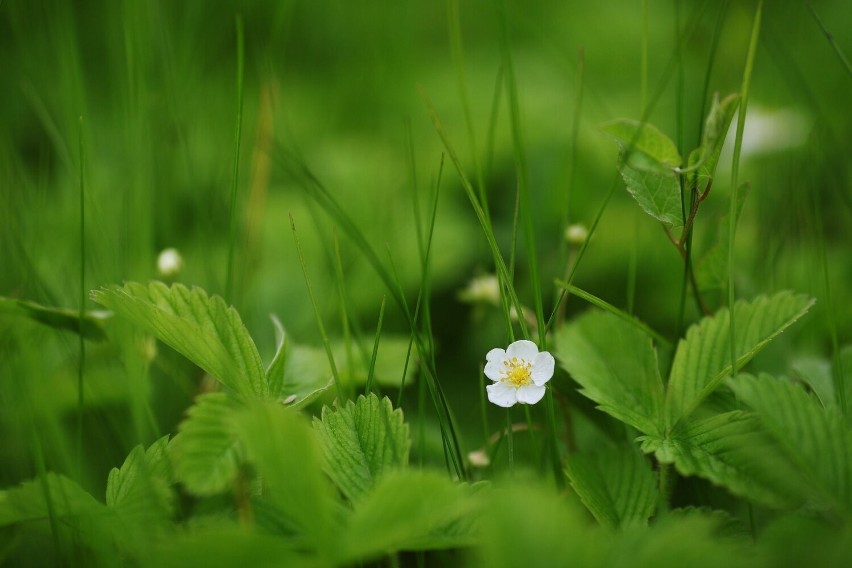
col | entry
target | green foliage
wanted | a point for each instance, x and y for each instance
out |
(647, 164)
(207, 452)
(616, 366)
(616, 485)
(54, 497)
(703, 357)
(90, 324)
(202, 328)
(141, 488)
(817, 441)
(706, 156)
(286, 456)
(410, 510)
(361, 441)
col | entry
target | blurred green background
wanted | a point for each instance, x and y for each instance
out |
(148, 91)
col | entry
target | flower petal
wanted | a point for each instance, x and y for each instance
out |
(496, 354)
(530, 394)
(502, 394)
(542, 369)
(522, 349)
(494, 369)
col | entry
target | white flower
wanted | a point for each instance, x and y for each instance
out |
(519, 373)
(170, 262)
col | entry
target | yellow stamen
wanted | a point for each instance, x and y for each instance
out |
(517, 373)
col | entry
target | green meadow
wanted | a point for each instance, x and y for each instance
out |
(462, 283)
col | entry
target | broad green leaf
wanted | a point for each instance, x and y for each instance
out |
(90, 325)
(817, 440)
(141, 488)
(362, 440)
(703, 357)
(706, 156)
(816, 373)
(616, 365)
(646, 163)
(207, 453)
(734, 451)
(287, 457)
(275, 370)
(202, 328)
(616, 485)
(409, 510)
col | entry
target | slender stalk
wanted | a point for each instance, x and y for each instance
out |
(232, 224)
(82, 342)
(510, 445)
(325, 341)
(738, 144)
(344, 309)
(372, 370)
(831, 40)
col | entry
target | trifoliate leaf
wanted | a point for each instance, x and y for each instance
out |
(361, 440)
(616, 365)
(200, 327)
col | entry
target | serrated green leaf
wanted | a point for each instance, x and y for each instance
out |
(616, 485)
(141, 488)
(409, 510)
(207, 452)
(202, 328)
(286, 455)
(646, 164)
(734, 451)
(817, 440)
(703, 357)
(616, 365)
(90, 325)
(706, 156)
(361, 441)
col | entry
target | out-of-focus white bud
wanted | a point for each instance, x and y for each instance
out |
(485, 288)
(169, 263)
(576, 234)
(478, 458)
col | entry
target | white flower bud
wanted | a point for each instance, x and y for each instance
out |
(576, 234)
(169, 263)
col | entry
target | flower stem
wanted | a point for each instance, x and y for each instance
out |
(509, 442)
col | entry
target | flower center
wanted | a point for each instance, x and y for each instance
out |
(517, 372)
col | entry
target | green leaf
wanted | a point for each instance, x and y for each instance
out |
(390, 361)
(141, 488)
(69, 503)
(275, 371)
(646, 163)
(817, 440)
(706, 156)
(304, 375)
(207, 453)
(90, 325)
(616, 485)
(286, 455)
(409, 510)
(616, 365)
(203, 329)
(361, 441)
(703, 357)
(734, 451)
